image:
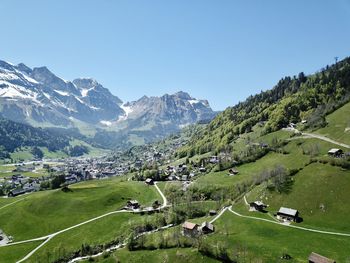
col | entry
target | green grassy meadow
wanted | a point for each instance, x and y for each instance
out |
(338, 125)
(173, 255)
(14, 253)
(257, 241)
(50, 211)
(319, 192)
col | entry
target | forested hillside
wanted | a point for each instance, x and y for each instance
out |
(291, 100)
(14, 135)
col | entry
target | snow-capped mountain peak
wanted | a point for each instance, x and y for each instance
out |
(39, 96)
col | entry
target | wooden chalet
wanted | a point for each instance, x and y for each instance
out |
(149, 181)
(257, 206)
(207, 228)
(288, 214)
(134, 204)
(190, 229)
(335, 152)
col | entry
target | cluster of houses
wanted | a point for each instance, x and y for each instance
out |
(73, 169)
(18, 184)
(193, 230)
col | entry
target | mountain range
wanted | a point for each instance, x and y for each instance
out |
(38, 97)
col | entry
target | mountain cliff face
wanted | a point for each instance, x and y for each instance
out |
(39, 97)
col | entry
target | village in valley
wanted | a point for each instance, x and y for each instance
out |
(151, 165)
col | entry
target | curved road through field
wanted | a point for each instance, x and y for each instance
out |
(292, 226)
(165, 204)
(165, 201)
(49, 237)
(318, 136)
(324, 138)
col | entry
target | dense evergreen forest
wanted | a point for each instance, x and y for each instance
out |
(14, 135)
(291, 100)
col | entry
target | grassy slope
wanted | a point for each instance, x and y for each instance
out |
(316, 185)
(174, 255)
(50, 211)
(95, 233)
(294, 159)
(267, 242)
(13, 253)
(338, 127)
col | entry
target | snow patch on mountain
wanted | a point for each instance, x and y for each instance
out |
(84, 92)
(63, 93)
(106, 123)
(194, 102)
(127, 109)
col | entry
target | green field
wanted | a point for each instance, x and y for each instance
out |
(11, 254)
(173, 255)
(338, 125)
(117, 226)
(50, 211)
(259, 241)
(319, 192)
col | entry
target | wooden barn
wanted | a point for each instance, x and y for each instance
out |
(288, 214)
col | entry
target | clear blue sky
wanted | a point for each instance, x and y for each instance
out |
(222, 51)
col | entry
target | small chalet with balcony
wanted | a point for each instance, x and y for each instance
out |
(288, 214)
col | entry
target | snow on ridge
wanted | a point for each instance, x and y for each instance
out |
(11, 90)
(80, 100)
(94, 108)
(84, 92)
(194, 102)
(26, 77)
(47, 95)
(6, 74)
(63, 93)
(126, 109)
(106, 123)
